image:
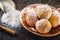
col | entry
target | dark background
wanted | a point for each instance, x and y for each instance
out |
(22, 33)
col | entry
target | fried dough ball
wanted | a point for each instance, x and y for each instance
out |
(55, 19)
(43, 26)
(31, 17)
(44, 11)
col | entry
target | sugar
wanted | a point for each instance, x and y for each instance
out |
(11, 18)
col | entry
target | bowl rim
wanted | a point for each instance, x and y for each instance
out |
(35, 32)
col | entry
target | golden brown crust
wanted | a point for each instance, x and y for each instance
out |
(44, 12)
(43, 26)
(31, 20)
(55, 19)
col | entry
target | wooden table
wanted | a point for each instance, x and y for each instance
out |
(22, 33)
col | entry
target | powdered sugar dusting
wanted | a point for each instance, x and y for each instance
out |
(11, 18)
(31, 11)
(33, 29)
(56, 13)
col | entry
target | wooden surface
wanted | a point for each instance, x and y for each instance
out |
(22, 33)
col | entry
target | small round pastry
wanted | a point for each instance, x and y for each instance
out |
(44, 11)
(55, 19)
(43, 26)
(31, 17)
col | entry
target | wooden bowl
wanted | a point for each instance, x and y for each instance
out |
(53, 32)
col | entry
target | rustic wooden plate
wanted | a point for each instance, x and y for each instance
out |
(53, 32)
